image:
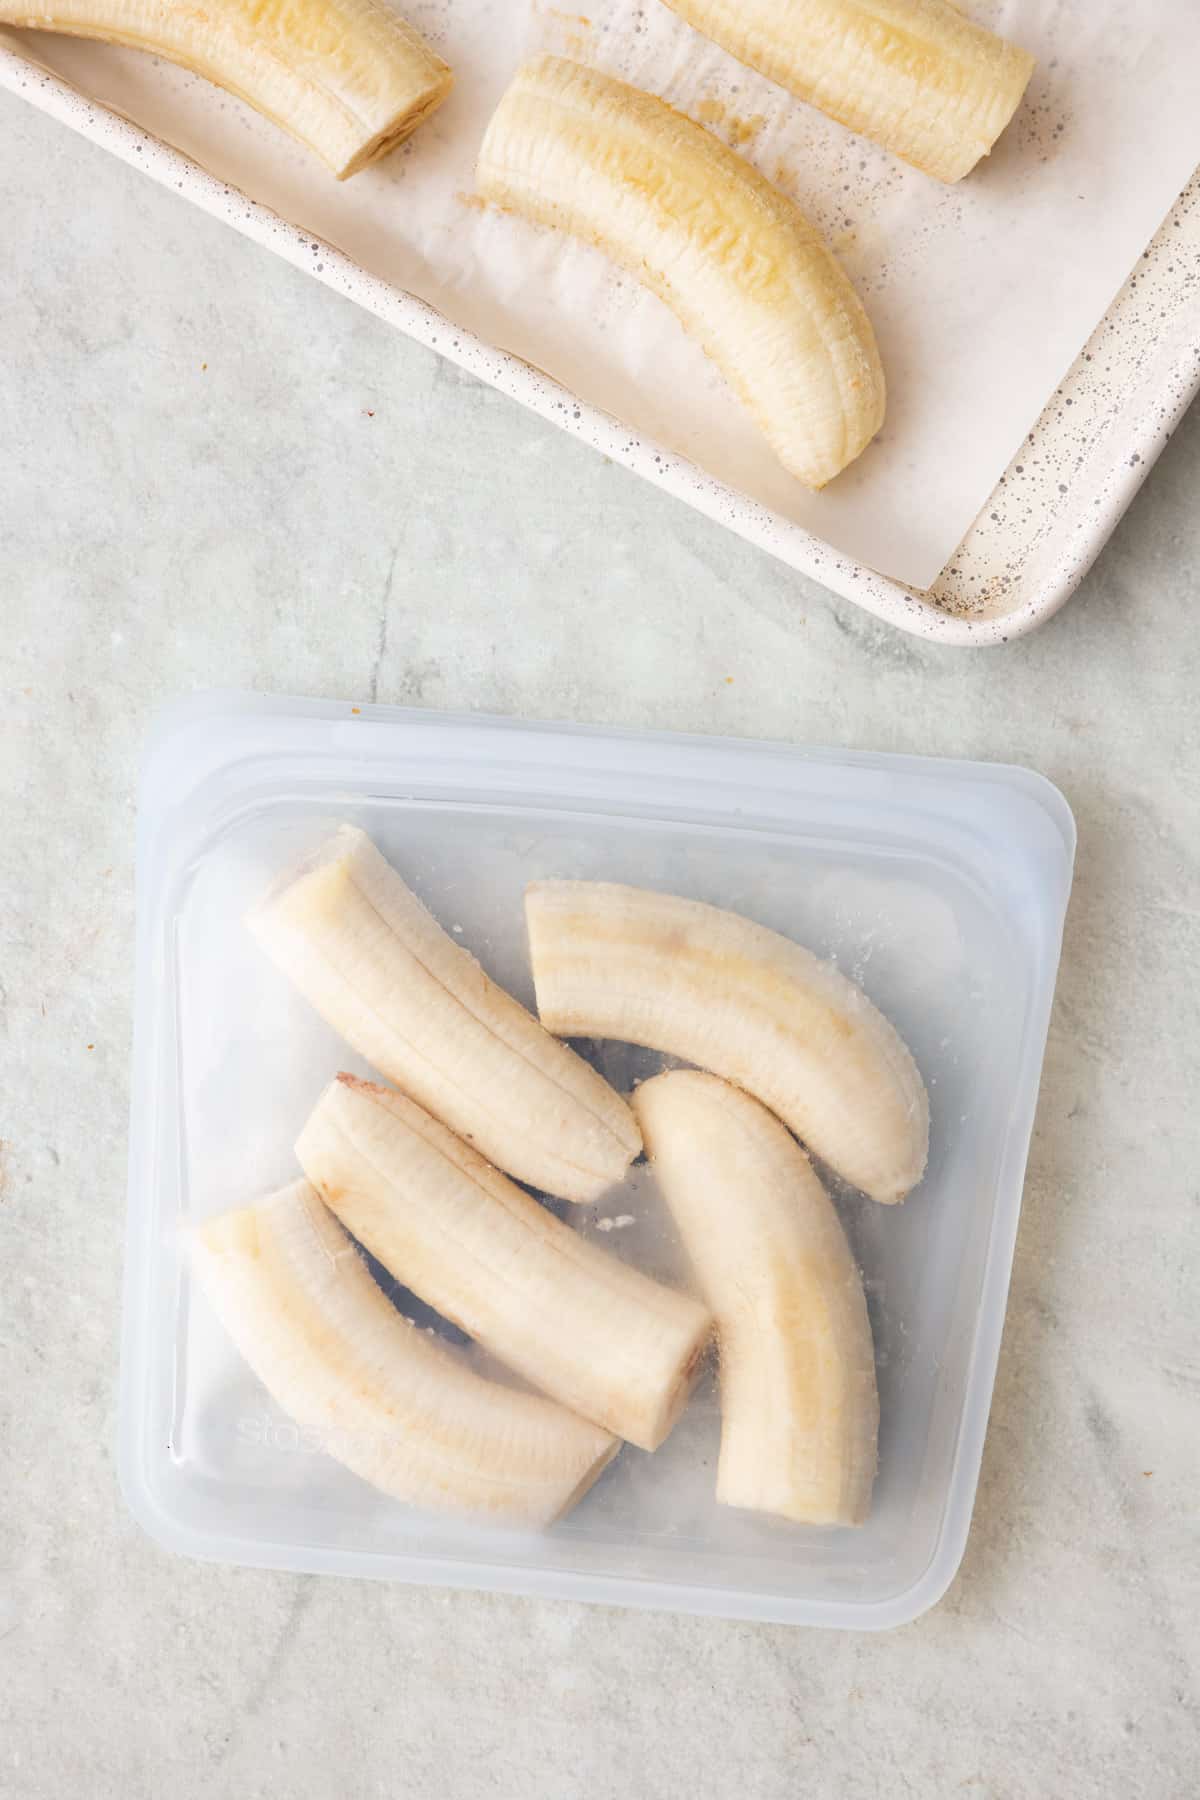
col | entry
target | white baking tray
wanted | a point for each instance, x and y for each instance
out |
(940, 886)
(1033, 541)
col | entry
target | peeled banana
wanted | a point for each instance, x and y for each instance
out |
(349, 78)
(394, 1405)
(599, 1336)
(799, 1407)
(375, 963)
(717, 990)
(917, 76)
(739, 264)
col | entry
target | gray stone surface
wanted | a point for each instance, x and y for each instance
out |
(215, 472)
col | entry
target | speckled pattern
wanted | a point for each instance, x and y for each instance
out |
(1023, 558)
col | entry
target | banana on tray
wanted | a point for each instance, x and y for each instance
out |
(917, 76)
(738, 263)
(349, 78)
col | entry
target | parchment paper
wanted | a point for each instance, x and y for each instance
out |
(981, 295)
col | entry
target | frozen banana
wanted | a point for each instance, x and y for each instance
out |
(799, 1408)
(742, 1001)
(601, 1337)
(739, 264)
(399, 1408)
(917, 76)
(379, 968)
(349, 78)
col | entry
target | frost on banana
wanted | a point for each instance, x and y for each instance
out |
(717, 990)
(917, 76)
(601, 1337)
(349, 78)
(739, 264)
(397, 1407)
(799, 1407)
(379, 968)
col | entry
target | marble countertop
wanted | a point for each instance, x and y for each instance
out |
(217, 473)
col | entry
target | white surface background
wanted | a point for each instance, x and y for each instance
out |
(194, 492)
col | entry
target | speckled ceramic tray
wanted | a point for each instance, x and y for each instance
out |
(1033, 541)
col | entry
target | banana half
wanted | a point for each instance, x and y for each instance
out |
(916, 76)
(349, 78)
(379, 968)
(799, 1408)
(399, 1408)
(717, 990)
(739, 264)
(599, 1336)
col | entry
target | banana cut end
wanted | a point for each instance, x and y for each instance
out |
(318, 879)
(408, 119)
(351, 79)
